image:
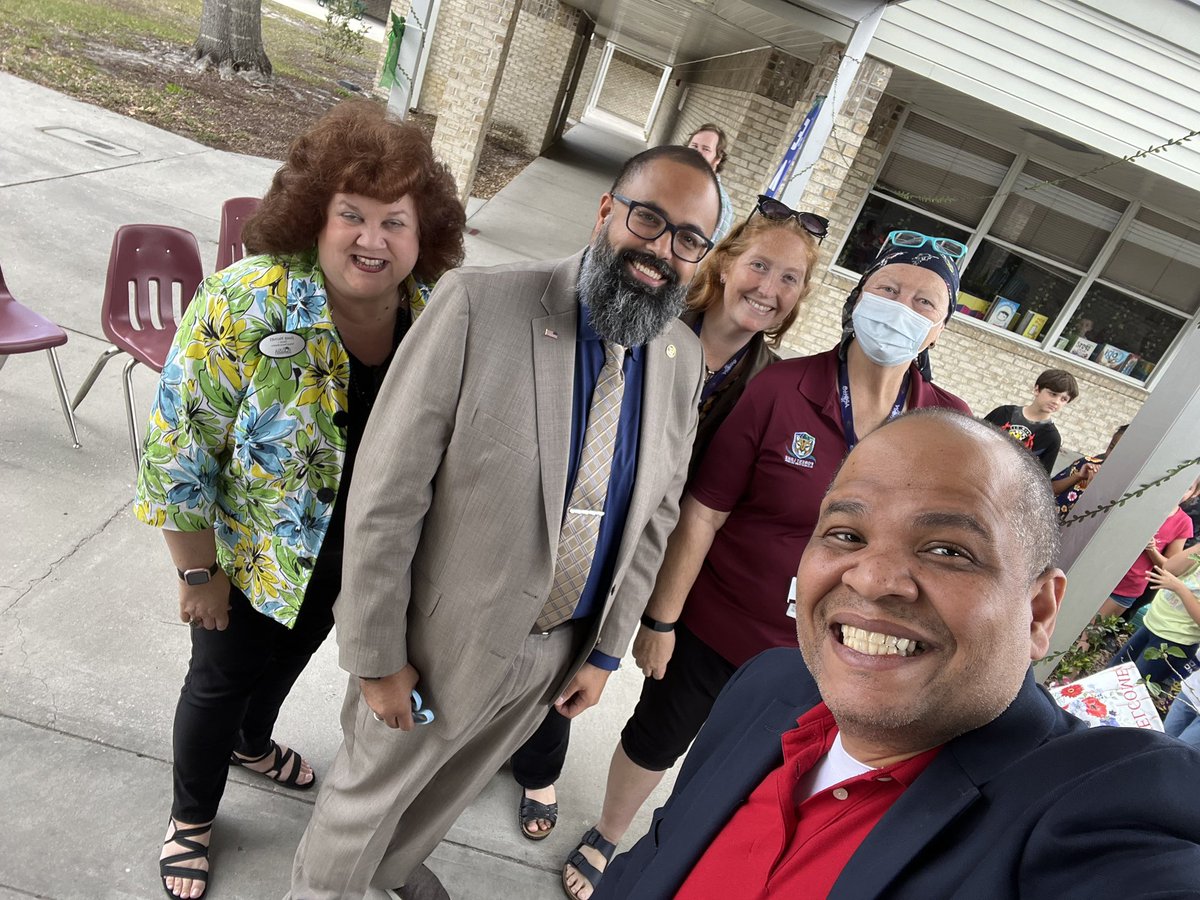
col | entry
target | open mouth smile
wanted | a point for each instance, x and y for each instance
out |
(874, 643)
(368, 263)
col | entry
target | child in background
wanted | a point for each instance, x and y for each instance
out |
(1182, 719)
(1167, 542)
(1030, 425)
(1069, 484)
(1173, 618)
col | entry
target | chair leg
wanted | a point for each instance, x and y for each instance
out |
(3, 360)
(93, 375)
(61, 385)
(127, 379)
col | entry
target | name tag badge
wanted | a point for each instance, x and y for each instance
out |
(281, 345)
(791, 607)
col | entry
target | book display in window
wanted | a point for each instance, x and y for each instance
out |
(1003, 313)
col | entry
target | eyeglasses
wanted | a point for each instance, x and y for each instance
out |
(945, 246)
(649, 224)
(776, 211)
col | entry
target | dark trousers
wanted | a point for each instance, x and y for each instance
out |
(540, 760)
(668, 716)
(1163, 672)
(236, 682)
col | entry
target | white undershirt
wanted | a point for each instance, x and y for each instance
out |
(833, 768)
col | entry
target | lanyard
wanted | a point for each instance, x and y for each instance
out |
(714, 379)
(847, 410)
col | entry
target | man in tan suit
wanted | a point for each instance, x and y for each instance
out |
(465, 478)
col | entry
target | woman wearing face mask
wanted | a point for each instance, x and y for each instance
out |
(722, 593)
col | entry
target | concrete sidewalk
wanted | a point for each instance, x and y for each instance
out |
(91, 652)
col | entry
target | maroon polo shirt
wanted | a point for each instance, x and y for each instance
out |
(769, 466)
(779, 844)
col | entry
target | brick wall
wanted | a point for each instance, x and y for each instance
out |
(587, 78)
(751, 97)
(475, 57)
(986, 370)
(535, 70)
(629, 88)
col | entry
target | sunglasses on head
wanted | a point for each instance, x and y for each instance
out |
(776, 211)
(913, 239)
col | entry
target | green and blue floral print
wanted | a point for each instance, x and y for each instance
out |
(242, 435)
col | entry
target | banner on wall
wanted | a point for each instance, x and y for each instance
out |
(793, 151)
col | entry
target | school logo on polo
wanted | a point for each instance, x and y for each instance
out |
(801, 451)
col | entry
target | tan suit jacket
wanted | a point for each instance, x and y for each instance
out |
(457, 498)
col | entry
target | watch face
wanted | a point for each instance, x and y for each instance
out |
(197, 576)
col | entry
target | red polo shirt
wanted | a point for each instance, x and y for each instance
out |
(769, 466)
(777, 845)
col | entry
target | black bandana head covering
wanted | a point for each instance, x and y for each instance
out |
(890, 255)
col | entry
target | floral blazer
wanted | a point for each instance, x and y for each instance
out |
(247, 432)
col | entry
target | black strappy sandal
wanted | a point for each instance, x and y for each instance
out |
(169, 866)
(278, 765)
(533, 810)
(596, 841)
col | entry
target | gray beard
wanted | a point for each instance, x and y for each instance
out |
(623, 311)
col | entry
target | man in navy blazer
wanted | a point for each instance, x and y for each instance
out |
(919, 759)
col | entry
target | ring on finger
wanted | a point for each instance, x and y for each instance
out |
(378, 717)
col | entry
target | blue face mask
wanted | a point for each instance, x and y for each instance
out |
(890, 333)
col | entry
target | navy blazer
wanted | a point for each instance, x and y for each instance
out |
(1034, 804)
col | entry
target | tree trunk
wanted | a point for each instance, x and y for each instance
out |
(231, 36)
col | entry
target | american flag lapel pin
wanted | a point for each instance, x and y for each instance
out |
(551, 333)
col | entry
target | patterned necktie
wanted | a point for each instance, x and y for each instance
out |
(577, 539)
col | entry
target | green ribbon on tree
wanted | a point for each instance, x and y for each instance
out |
(388, 77)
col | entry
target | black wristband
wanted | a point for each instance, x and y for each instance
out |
(655, 625)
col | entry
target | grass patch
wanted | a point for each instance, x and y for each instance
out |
(133, 57)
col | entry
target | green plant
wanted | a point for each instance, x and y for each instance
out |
(342, 34)
(1164, 695)
(1092, 652)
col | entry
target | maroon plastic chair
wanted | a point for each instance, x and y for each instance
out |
(234, 212)
(24, 331)
(152, 271)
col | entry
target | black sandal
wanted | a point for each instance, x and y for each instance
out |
(596, 841)
(278, 765)
(168, 867)
(531, 811)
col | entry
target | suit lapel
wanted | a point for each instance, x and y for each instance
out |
(944, 791)
(716, 791)
(553, 337)
(658, 383)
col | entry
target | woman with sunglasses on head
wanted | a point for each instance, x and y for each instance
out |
(724, 590)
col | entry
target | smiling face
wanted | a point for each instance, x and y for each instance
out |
(367, 248)
(764, 284)
(915, 611)
(922, 290)
(706, 143)
(681, 194)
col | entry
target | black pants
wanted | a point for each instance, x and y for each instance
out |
(668, 716)
(236, 682)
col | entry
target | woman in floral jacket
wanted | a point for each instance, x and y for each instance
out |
(250, 449)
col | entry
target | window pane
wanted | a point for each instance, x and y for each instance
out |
(1068, 222)
(879, 218)
(930, 160)
(1159, 258)
(1118, 331)
(1039, 292)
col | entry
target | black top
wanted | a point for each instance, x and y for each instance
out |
(365, 380)
(1039, 438)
